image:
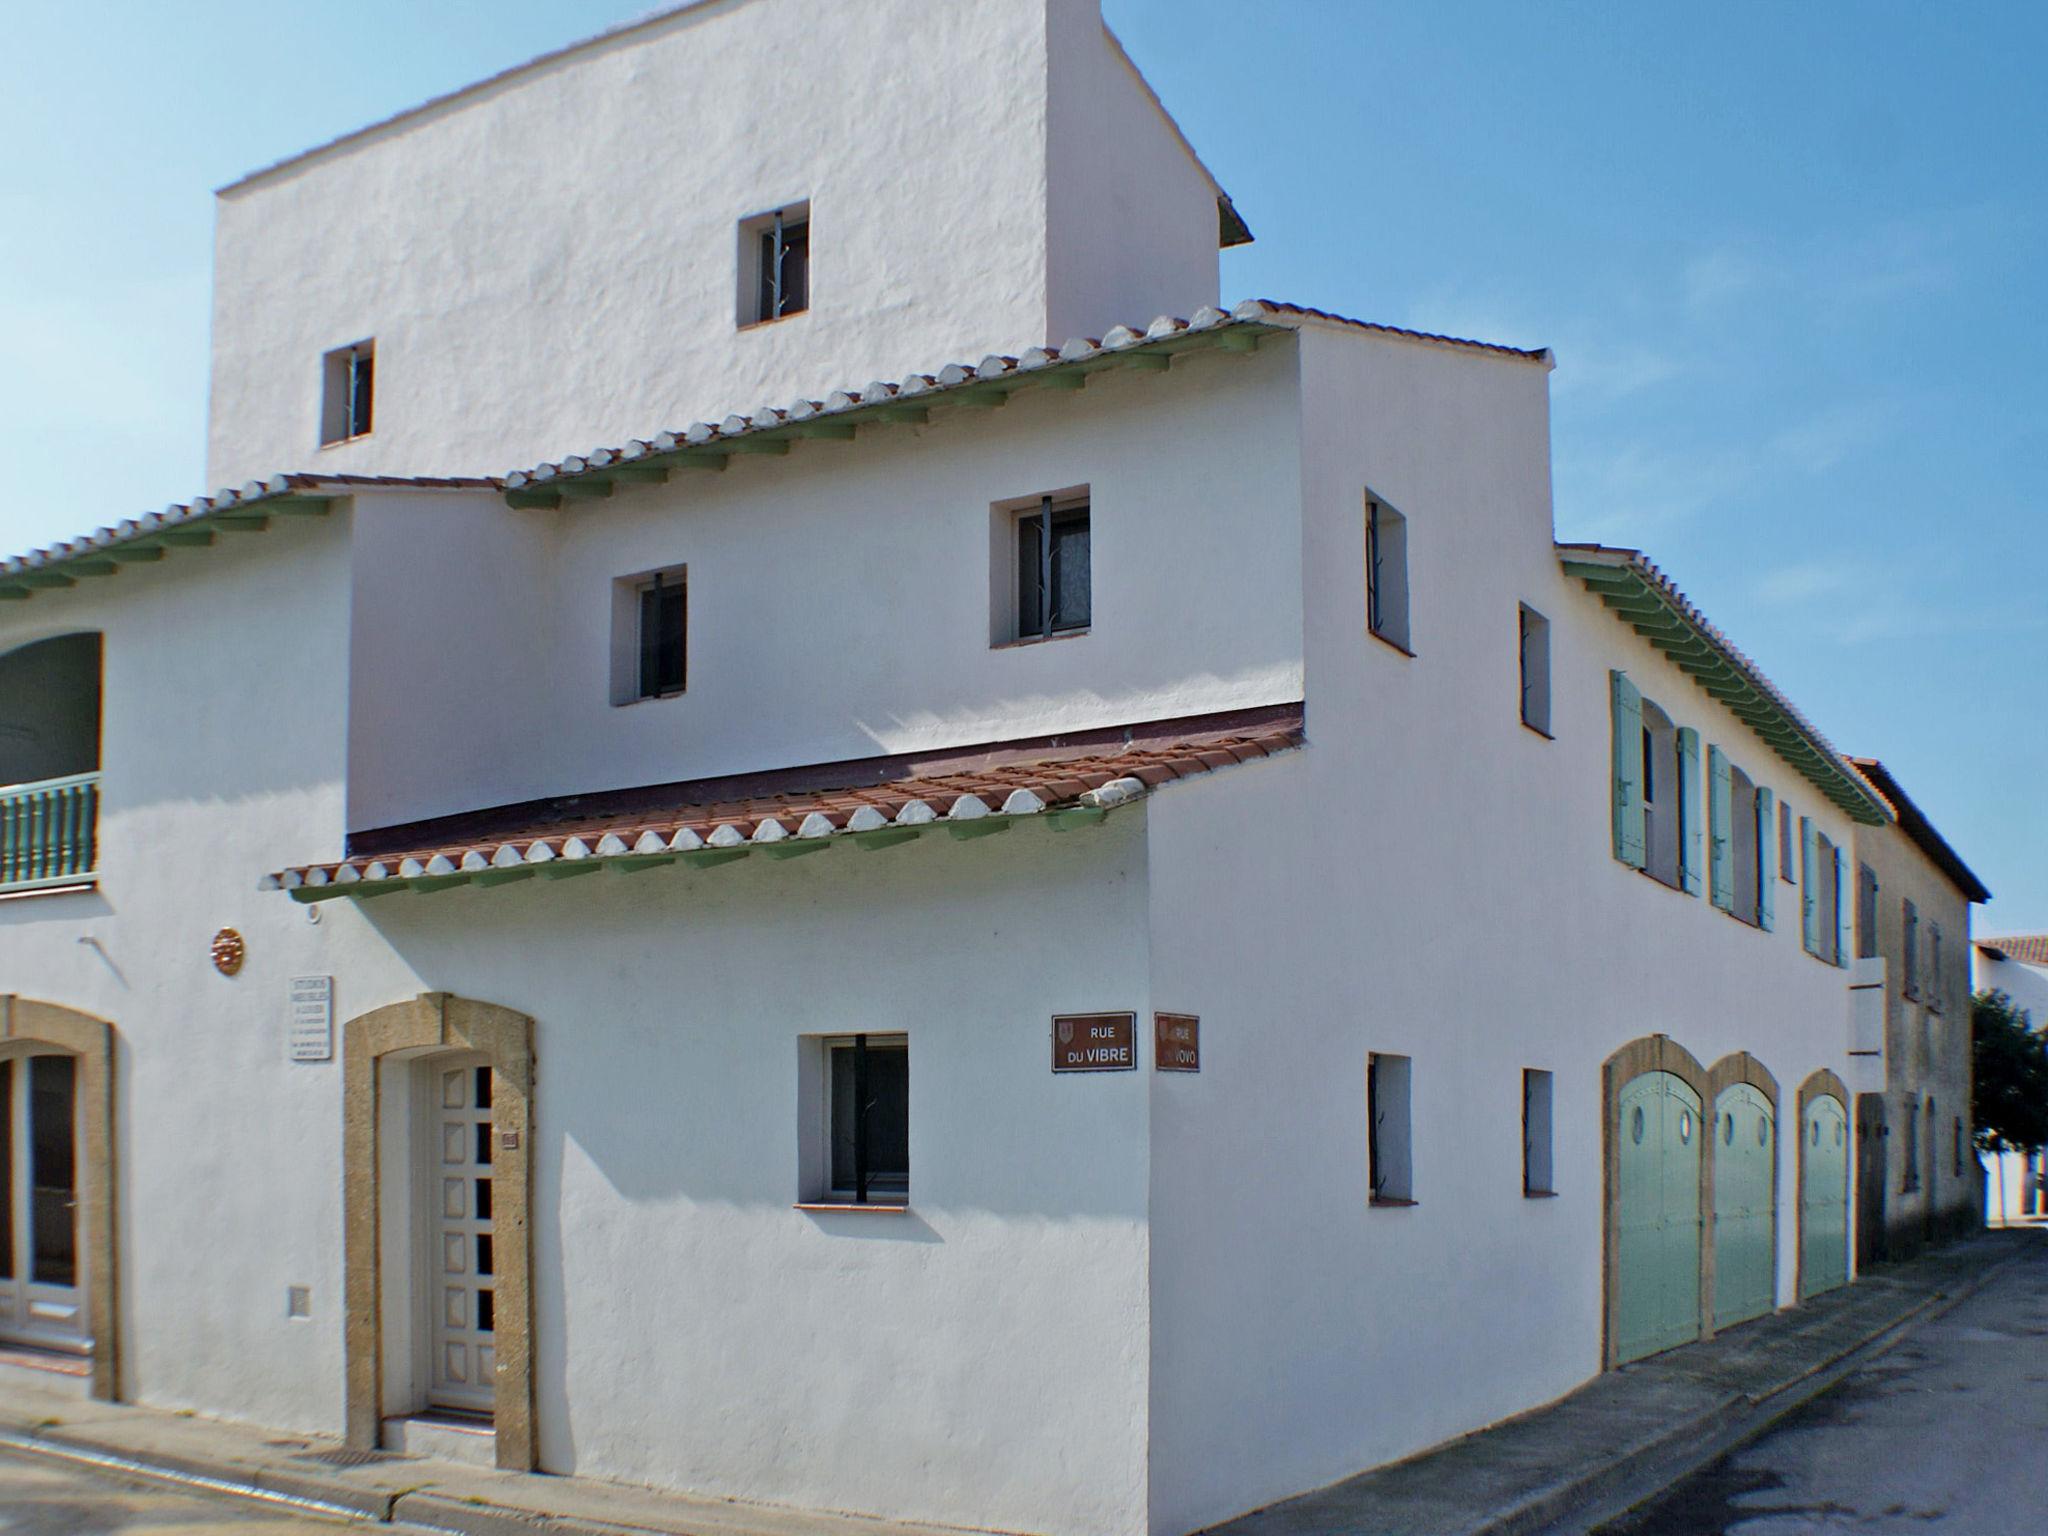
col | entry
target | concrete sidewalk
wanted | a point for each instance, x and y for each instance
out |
(1625, 1435)
(1566, 1466)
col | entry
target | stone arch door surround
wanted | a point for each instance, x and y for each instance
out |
(1832, 1203)
(1637, 1059)
(24, 1021)
(440, 1021)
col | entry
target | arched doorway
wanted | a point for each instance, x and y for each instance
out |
(1823, 1184)
(440, 1086)
(1655, 1173)
(57, 1276)
(1745, 1139)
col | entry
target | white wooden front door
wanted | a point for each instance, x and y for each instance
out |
(461, 1265)
(41, 1267)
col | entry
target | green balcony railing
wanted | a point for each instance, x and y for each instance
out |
(49, 832)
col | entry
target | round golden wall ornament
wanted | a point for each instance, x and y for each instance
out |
(228, 951)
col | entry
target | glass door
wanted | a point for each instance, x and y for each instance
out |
(40, 1295)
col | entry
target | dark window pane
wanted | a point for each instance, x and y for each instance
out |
(52, 1080)
(796, 268)
(663, 628)
(362, 371)
(1070, 583)
(483, 1199)
(1030, 609)
(6, 1170)
(483, 1087)
(886, 1112)
(483, 1254)
(483, 1141)
(486, 1312)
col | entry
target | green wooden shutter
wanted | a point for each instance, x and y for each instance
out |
(1720, 830)
(1628, 771)
(1809, 874)
(1689, 809)
(1766, 859)
(1845, 912)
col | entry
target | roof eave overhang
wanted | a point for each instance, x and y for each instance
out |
(982, 386)
(1648, 605)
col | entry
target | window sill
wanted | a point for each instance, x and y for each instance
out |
(69, 888)
(759, 325)
(1391, 643)
(1537, 730)
(1391, 1202)
(343, 442)
(870, 1208)
(1539, 1194)
(650, 698)
(1023, 640)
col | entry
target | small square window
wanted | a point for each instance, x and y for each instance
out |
(775, 264)
(863, 1157)
(650, 635)
(347, 377)
(1390, 1162)
(1533, 651)
(1537, 1178)
(1386, 572)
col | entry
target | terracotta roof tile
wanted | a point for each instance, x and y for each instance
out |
(2026, 948)
(1092, 770)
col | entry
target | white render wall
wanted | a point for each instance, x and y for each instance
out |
(224, 714)
(840, 599)
(549, 261)
(1432, 879)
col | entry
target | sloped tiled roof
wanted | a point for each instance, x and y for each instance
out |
(195, 523)
(1914, 823)
(1628, 582)
(875, 802)
(987, 382)
(2026, 948)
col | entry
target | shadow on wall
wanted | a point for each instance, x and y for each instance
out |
(671, 1007)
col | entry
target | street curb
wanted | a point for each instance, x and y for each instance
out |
(1618, 1487)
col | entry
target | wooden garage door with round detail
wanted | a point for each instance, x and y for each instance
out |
(1657, 1216)
(1745, 1208)
(1823, 1196)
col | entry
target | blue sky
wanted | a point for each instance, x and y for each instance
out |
(1791, 264)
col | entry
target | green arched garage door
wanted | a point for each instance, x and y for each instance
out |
(1824, 1197)
(1745, 1215)
(1657, 1216)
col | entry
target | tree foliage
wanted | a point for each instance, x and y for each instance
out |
(2010, 1059)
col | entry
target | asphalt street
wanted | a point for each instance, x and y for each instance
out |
(41, 1496)
(1947, 1433)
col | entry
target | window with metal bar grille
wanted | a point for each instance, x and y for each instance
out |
(775, 251)
(1054, 588)
(870, 1119)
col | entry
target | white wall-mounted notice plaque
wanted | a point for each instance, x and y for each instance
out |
(309, 1031)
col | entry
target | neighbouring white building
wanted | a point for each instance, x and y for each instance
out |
(1139, 907)
(2017, 966)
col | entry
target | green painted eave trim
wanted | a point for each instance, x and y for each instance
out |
(148, 544)
(1066, 819)
(599, 481)
(1651, 613)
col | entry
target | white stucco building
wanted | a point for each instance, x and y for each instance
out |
(1391, 905)
(2017, 965)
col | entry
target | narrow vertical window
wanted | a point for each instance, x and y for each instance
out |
(1389, 1151)
(1909, 958)
(1788, 849)
(1386, 573)
(347, 386)
(1054, 586)
(1533, 652)
(1866, 912)
(1934, 967)
(1536, 1159)
(1910, 1173)
(870, 1119)
(664, 627)
(775, 253)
